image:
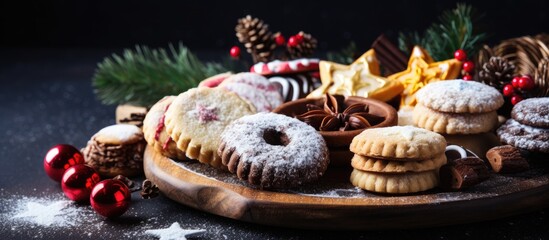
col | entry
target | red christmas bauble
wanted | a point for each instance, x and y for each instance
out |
(467, 77)
(515, 81)
(235, 52)
(78, 181)
(469, 66)
(516, 99)
(292, 41)
(110, 198)
(526, 83)
(59, 158)
(460, 55)
(280, 40)
(508, 90)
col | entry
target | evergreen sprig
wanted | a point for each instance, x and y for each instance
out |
(143, 76)
(455, 29)
(346, 55)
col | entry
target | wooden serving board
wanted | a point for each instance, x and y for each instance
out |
(333, 203)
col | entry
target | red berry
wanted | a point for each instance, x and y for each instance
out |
(299, 37)
(515, 82)
(292, 41)
(516, 99)
(508, 90)
(526, 83)
(460, 55)
(467, 77)
(280, 40)
(235, 52)
(468, 66)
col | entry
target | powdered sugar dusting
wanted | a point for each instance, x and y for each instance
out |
(532, 111)
(122, 132)
(524, 136)
(460, 96)
(306, 152)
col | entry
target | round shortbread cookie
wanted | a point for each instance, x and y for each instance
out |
(454, 123)
(388, 166)
(197, 117)
(459, 96)
(523, 136)
(533, 112)
(406, 143)
(394, 183)
(260, 85)
(155, 131)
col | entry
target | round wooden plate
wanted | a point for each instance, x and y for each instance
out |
(333, 203)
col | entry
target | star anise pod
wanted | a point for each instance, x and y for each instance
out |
(329, 118)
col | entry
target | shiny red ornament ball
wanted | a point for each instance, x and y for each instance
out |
(78, 182)
(110, 198)
(460, 55)
(526, 83)
(516, 99)
(59, 158)
(515, 82)
(280, 40)
(235, 52)
(508, 90)
(467, 77)
(469, 66)
(292, 41)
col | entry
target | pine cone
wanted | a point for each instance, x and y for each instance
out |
(306, 47)
(256, 37)
(497, 72)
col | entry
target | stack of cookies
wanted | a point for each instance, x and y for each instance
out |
(463, 111)
(400, 159)
(116, 150)
(529, 126)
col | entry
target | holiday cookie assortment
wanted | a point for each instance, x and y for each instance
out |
(388, 117)
(248, 125)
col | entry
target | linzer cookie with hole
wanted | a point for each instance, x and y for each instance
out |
(196, 118)
(116, 150)
(155, 133)
(271, 150)
(399, 160)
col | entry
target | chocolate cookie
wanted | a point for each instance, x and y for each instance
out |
(525, 137)
(533, 112)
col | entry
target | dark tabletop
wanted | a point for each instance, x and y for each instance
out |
(46, 98)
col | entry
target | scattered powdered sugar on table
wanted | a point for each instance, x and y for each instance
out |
(47, 216)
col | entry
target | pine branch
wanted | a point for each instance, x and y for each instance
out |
(143, 76)
(455, 29)
(346, 55)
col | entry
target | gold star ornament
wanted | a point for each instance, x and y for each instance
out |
(422, 70)
(361, 78)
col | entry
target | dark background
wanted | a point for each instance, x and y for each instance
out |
(48, 55)
(209, 24)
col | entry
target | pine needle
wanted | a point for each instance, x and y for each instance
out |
(455, 29)
(143, 76)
